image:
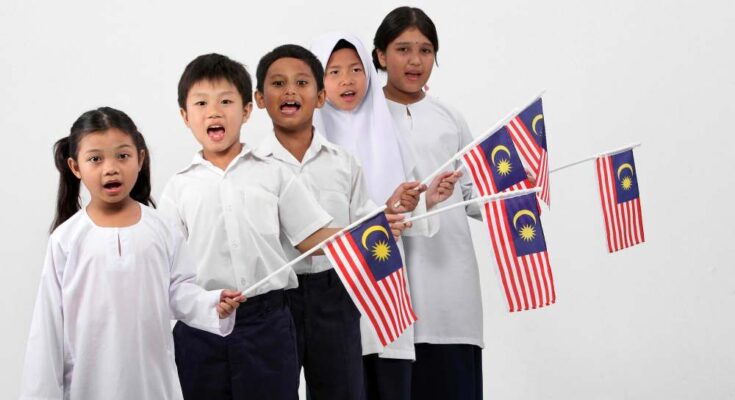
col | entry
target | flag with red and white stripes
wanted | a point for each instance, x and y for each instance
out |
(621, 203)
(367, 260)
(528, 131)
(520, 252)
(495, 166)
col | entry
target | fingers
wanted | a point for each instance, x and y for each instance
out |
(394, 217)
(226, 307)
(227, 293)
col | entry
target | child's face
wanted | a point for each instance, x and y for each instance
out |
(344, 80)
(408, 60)
(215, 113)
(108, 164)
(290, 95)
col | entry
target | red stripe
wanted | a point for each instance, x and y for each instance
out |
(496, 229)
(551, 277)
(364, 269)
(509, 236)
(406, 297)
(532, 260)
(519, 142)
(530, 148)
(399, 298)
(497, 256)
(611, 201)
(352, 286)
(475, 174)
(640, 220)
(601, 184)
(529, 135)
(486, 180)
(542, 270)
(524, 261)
(387, 288)
(488, 168)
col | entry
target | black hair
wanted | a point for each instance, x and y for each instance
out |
(99, 120)
(398, 21)
(343, 44)
(212, 67)
(290, 51)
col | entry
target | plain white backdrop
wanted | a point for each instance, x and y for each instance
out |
(652, 322)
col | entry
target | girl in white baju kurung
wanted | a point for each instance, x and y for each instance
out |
(115, 274)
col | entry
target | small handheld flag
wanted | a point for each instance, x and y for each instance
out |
(528, 131)
(494, 164)
(520, 252)
(367, 260)
(621, 204)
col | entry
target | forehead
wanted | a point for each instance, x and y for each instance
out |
(343, 57)
(412, 36)
(208, 87)
(289, 66)
(108, 139)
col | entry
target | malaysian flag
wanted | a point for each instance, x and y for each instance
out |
(529, 135)
(368, 262)
(495, 166)
(621, 203)
(520, 252)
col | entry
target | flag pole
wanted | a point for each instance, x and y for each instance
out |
(483, 199)
(309, 252)
(590, 158)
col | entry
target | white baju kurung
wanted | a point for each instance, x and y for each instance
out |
(101, 324)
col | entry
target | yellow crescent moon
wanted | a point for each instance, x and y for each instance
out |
(368, 231)
(535, 120)
(522, 213)
(625, 166)
(496, 149)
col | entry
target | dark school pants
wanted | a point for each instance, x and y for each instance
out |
(447, 371)
(256, 361)
(328, 337)
(387, 378)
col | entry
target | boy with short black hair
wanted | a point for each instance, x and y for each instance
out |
(233, 207)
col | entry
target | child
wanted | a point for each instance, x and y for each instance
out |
(356, 116)
(113, 276)
(233, 205)
(290, 87)
(449, 333)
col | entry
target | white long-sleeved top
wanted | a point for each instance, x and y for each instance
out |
(445, 281)
(101, 324)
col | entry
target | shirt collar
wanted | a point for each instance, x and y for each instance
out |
(199, 159)
(270, 146)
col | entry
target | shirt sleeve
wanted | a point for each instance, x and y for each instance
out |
(299, 212)
(169, 209)
(189, 302)
(43, 374)
(465, 182)
(360, 203)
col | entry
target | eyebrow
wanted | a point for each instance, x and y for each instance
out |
(122, 146)
(225, 93)
(410, 43)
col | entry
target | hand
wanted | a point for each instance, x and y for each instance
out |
(396, 225)
(441, 188)
(531, 177)
(405, 198)
(229, 301)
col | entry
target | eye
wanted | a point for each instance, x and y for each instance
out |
(200, 103)
(357, 69)
(94, 159)
(333, 72)
(302, 82)
(123, 156)
(227, 101)
(402, 49)
(427, 50)
(277, 83)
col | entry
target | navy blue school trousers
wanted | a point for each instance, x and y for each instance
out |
(328, 337)
(447, 371)
(387, 378)
(258, 360)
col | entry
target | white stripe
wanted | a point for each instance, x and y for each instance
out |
(500, 259)
(479, 182)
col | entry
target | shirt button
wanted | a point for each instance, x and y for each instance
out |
(235, 244)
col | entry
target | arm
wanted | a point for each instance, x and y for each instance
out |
(43, 374)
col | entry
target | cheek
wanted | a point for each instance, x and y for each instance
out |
(331, 88)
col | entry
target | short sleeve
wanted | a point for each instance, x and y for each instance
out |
(299, 213)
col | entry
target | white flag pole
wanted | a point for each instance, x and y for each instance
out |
(594, 157)
(309, 252)
(483, 199)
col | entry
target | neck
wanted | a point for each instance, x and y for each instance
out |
(120, 214)
(394, 94)
(222, 159)
(295, 141)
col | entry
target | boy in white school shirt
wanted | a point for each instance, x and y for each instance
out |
(232, 206)
(290, 86)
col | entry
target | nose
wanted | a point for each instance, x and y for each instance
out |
(414, 58)
(110, 166)
(213, 110)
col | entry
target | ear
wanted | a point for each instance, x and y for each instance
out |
(185, 117)
(247, 111)
(74, 167)
(259, 99)
(381, 57)
(321, 97)
(141, 158)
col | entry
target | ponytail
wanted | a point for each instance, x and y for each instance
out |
(67, 197)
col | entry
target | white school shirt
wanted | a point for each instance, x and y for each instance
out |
(101, 324)
(335, 178)
(445, 282)
(233, 218)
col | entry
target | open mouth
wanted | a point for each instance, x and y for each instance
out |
(113, 186)
(348, 95)
(216, 132)
(290, 107)
(413, 76)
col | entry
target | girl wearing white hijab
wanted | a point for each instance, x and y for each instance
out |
(356, 117)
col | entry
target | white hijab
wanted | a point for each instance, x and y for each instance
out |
(368, 131)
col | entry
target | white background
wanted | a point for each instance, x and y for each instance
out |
(651, 322)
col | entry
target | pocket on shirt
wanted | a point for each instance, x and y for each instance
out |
(261, 210)
(337, 205)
